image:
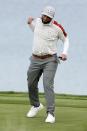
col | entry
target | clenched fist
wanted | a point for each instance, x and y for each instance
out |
(30, 19)
(63, 57)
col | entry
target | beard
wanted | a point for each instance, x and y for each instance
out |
(45, 22)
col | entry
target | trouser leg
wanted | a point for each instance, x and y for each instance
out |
(33, 76)
(48, 82)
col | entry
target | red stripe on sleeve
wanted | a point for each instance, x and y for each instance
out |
(56, 23)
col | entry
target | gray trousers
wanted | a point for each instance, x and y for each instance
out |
(48, 67)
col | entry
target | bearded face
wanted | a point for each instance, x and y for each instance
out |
(46, 19)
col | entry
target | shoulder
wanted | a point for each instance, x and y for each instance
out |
(59, 26)
(38, 19)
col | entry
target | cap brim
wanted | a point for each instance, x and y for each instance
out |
(43, 13)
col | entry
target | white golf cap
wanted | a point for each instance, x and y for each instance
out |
(48, 11)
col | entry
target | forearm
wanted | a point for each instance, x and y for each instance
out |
(31, 26)
(66, 46)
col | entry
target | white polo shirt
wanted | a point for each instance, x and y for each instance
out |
(46, 37)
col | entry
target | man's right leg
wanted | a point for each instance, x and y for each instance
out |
(33, 75)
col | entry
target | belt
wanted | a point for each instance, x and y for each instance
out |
(43, 56)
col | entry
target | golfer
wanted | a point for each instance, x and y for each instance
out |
(44, 60)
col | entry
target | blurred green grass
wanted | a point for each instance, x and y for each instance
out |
(71, 113)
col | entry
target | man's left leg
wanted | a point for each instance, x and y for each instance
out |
(48, 82)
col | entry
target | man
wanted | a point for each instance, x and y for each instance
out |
(44, 60)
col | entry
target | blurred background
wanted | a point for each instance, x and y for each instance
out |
(16, 44)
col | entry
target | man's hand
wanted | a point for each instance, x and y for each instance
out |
(63, 57)
(30, 19)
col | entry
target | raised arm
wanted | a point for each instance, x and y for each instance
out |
(31, 23)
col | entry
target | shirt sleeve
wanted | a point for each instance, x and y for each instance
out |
(63, 36)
